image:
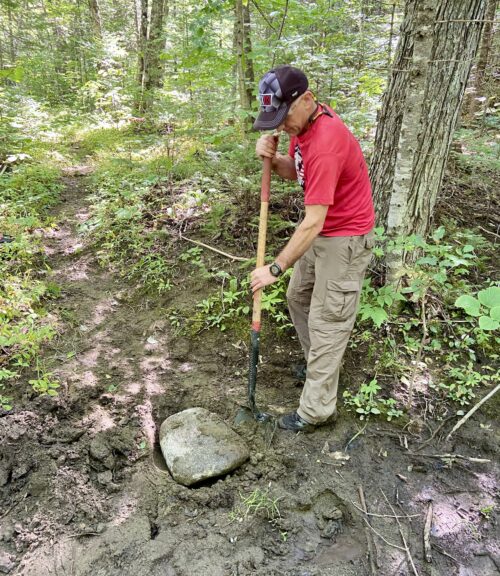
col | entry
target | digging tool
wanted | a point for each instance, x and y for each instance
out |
(251, 412)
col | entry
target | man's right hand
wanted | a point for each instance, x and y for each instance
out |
(266, 146)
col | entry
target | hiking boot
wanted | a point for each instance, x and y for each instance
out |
(295, 423)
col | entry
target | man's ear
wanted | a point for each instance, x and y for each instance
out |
(310, 99)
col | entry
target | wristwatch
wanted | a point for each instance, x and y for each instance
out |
(275, 269)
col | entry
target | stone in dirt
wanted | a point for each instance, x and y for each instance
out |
(198, 445)
(6, 562)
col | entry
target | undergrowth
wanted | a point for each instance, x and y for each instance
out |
(27, 192)
(424, 336)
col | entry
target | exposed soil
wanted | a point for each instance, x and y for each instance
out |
(83, 490)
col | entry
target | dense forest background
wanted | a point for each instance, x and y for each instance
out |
(159, 98)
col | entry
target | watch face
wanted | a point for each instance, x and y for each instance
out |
(275, 270)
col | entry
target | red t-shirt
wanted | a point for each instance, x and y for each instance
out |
(332, 171)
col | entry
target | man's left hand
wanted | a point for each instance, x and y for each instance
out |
(261, 277)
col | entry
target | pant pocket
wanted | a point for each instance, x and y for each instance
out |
(340, 301)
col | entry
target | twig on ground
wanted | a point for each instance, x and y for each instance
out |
(369, 540)
(358, 433)
(392, 545)
(452, 457)
(444, 553)
(489, 232)
(427, 534)
(435, 432)
(381, 515)
(472, 410)
(405, 544)
(238, 258)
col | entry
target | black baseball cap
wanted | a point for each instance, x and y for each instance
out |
(278, 88)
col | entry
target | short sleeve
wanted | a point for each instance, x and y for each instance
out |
(322, 175)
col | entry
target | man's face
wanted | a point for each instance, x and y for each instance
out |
(297, 117)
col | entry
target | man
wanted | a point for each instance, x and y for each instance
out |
(331, 247)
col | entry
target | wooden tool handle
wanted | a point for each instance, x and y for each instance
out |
(265, 192)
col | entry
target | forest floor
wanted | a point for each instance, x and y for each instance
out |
(83, 490)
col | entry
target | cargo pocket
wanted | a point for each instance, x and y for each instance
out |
(369, 240)
(341, 299)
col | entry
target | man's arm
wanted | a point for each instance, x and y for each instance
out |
(282, 164)
(298, 244)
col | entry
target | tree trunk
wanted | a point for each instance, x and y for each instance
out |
(142, 39)
(484, 55)
(150, 18)
(243, 46)
(438, 42)
(95, 16)
(12, 50)
(155, 44)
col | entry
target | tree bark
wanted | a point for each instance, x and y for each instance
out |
(150, 19)
(159, 11)
(95, 16)
(243, 47)
(437, 45)
(484, 56)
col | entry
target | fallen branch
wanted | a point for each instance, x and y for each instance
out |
(472, 410)
(238, 258)
(381, 515)
(444, 553)
(369, 540)
(358, 433)
(427, 534)
(405, 544)
(433, 435)
(453, 457)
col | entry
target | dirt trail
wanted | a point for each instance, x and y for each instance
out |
(81, 495)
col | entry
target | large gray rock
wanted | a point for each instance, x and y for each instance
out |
(198, 445)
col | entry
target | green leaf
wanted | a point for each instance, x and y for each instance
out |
(439, 234)
(487, 323)
(490, 297)
(495, 313)
(469, 304)
(431, 260)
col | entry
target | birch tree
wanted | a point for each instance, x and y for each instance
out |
(437, 46)
(243, 46)
(150, 16)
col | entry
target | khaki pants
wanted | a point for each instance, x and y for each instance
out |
(323, 298)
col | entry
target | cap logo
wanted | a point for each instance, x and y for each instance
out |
(266, 99)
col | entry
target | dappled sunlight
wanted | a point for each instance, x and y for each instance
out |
(125, 507)
(145, 412)
(98, 420)
(186, 367)
(88, 379)
(151, 367)
(76, 272)
(102, 309)
(90, 357)
(133, 388)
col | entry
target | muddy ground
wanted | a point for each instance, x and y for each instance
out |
(83, 490)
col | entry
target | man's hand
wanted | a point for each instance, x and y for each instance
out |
(261, 277)
(266, 146)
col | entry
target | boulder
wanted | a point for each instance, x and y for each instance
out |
(198, 445)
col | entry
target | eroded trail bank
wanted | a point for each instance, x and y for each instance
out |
(83, 492)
